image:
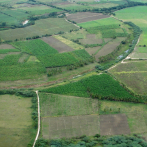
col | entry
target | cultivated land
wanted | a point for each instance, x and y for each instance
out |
(85, 16)
(15, 121)
(40, 28)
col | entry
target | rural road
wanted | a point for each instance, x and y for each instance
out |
(38, 120)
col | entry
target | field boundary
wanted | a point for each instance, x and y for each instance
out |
(38, 120)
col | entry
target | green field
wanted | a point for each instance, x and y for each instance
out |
(40, 28)
(15, 121)
(100, 85)
(133, 74)
(101, 22)
(38, 10)
(138, 16)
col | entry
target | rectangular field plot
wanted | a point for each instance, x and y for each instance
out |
(58, 105)
(114, 124)
(41, 27)
(57, 44)
(71, 126)
(15, 121)
(85, 16)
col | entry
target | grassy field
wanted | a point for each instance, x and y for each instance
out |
(69, 43)
(133, 74)
(138, 16)
(139, 52)
(136, 114)
(15, 121)
(40, 28)
(101, 22)
(40, 9)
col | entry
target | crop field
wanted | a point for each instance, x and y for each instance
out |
(39, 9)
(6, 46)
(73, 7)
(101, 22)
(82, 17)
(93, 50)
(40, 28)
(139, 52)
(69, 43)
(15, 121)
(67, 116)
(133, 74)
(136, 114)
(104, 5)
(87, 86)
(57, 44)
(138, 16)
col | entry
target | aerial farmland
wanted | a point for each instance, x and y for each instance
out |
(73, 73)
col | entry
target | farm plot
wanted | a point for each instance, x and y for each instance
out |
(39, 9)
(71, 126)
(91, 39)
(69, 43)
(133, 74)
(93, 50)
(6, 46)
(40, 28)
(104, 5)
(58, 105)
(57, 44)
(136, 114)
(82, 17)
(115, 124)
(15, 121)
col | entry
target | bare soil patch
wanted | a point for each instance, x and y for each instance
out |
(114, 124)
(6, 46)
(71, 126)
(63, 3)
(58, 45)
(2, 56)
(92, 50)
(85, 16)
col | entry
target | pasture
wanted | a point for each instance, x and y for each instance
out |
(39, 9)
(82, 17)
(15, 121)
(139, 53)
(40, 28)
(138, 16)
(133, 74)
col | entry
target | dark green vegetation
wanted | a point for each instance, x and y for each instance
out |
(98, 86)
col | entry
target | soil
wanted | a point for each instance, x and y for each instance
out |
(6, 46)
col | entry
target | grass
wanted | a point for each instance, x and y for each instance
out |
(100, 22)
(133, 74)
(40, 28)
(69, 43)
(58, 105)
(136, 114)
(39, 10)
(16, 121)
(138, 16)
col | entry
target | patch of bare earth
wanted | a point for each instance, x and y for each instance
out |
(58, 45)
(92, 50)
(86, 16)
(23, 58)
(114, 124)
(2, 56)
(71, 126)
(6, 46)
(91, 39)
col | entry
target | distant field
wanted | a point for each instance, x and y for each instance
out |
(137, 15)
(104, 5)
(39, 9)
(15, 121)
(133, 74)
(40, 28)
(82, 17)
(139, 52)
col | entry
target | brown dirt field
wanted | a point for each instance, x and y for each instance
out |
(92, 50)
(2, 56)
(71, 126)
(85, 16)
(13, 53)
(6, 46)
(22, 58)
(91, 39)
(114, 124)
(107, 49)
(56, 44)
(107, 39)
